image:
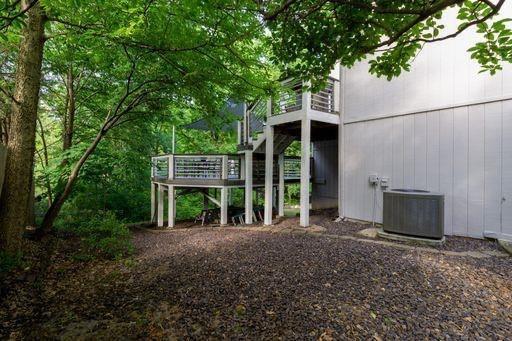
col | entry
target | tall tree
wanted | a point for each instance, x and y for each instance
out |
(205, 54)
(15, 197)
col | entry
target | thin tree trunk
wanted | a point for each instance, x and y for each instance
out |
(59, 199)
(69, 120)
(45, 163)
(15, 198)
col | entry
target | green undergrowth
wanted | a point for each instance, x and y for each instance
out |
(102, 234)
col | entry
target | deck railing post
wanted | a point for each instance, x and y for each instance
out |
(240, 138)
(225, 168)
(280, 191)
(336, 95)
(306, 98)
(170, 167)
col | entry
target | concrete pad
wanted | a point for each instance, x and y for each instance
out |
(371, 232)
(409, 239)
(506, 245)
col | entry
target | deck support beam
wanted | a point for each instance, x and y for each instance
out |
(305, 142)
(153, 202)
(269, 167)
(171, 208)
(160, 206)
(280, 190)
(248, 187)
(224, 206)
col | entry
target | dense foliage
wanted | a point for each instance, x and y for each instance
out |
(310, 36)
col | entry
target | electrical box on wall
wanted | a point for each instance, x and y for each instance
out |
(384, 182)
(373, 179)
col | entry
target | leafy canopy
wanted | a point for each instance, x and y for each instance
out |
(310, 36)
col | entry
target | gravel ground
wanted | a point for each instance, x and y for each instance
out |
(221, 283)
(452, 243)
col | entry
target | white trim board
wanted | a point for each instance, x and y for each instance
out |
(425, 110)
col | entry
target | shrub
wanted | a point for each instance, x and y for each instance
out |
(105, 234)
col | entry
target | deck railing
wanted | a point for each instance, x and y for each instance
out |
(206, 167)
(292, 98)
(324, 100)
(216, 167)
(291, 168)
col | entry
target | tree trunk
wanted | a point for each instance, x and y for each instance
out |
(15, 198)
(58, 201)
(45, 162)
(69, 119)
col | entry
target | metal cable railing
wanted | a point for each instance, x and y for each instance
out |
(291, 168)
(323, 100)
(290, 99)
(197, 167)
(211, 167)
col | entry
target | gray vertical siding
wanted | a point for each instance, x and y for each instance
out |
(464, 152)
(325, 170)
(443, 126)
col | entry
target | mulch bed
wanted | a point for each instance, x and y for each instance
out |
(221, 283)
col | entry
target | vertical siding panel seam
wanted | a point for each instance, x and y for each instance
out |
(414, 151)
(426, 150)
(483, 175)
(453, 167)
(439, 151)
(467, 170)
(403, 150)
(392, 148)
(501, 170)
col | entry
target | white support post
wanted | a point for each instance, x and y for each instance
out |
(171, 208)
(341, 144)
(242, 165)
(305, 171)
(280, 191)
(248, 187)
(240, 127)
(160, 206)
(153, 202)
(223, 205)
(269, 170)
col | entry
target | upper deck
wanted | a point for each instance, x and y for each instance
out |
(297, 102)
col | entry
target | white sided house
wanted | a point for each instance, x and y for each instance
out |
(442, 127)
